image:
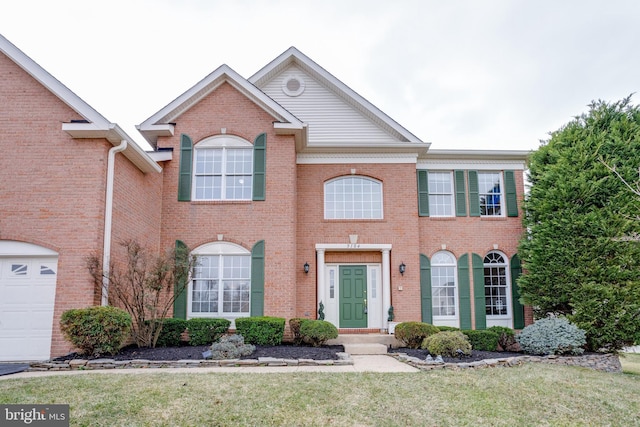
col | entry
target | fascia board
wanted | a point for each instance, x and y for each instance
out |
(515, 155)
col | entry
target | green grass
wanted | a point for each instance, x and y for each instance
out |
(532, 394)
(630, 363)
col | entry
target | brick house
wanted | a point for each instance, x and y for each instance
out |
(296, 193)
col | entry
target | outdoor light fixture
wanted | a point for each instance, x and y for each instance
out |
(306, 268)
(402, 268)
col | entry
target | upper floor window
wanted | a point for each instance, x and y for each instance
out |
(353, 197)
(491, 193)
(441, 193)
(223, 169)
(496, 285)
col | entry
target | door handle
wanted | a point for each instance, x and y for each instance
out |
(365, 306)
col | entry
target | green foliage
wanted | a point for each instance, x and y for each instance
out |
(483, 340)
(96, 330)
(447, 344)
(413, 333)
(581, 252)
(317, 332)
(506, 336)
(552, 335)
(447, 328)
(231, 347)
(170, 332)
(203, 331)
(294, 325)
(262, 330)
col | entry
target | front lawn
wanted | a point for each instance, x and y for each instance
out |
(630, 363)
(532, 394)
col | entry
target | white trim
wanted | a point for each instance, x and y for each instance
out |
(161, 156)
(13, 248)
(352, 247)
(220, 248)
(479, 165)
(348, 158)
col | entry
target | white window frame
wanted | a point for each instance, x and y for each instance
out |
(433, 192)
(507, 285)
(349, 200)
(485, 193)
(445, 259)
(225, 144)
(218, 250)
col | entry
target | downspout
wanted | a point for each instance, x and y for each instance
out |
(108, 218)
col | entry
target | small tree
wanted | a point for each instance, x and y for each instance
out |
(146, 286)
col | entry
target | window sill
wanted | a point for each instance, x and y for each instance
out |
(353, 220)
(221, 202)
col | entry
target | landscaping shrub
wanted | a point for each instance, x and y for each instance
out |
(506, 336)
(413, 333)
(447, 344)
(171, 332)
(317, 332)
(204, 331)
(96, 330)
(447, 328)
(483, 340)
(261, 330)
(231, 347)
(294, 325)
(552, 335)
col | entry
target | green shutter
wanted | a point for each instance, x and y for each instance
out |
(186, 160)
(423, 193)
(518, 308)
(257, 279)
(474, 198)
(181, 287)
(260, 167)
(478, 291)
(425, 289)
(461, 205)
(464, 292)
(511, 195)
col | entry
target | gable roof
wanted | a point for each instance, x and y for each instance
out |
(160, 124)
(293, 56)
(94, 125)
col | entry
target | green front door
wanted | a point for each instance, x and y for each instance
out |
(353, 296)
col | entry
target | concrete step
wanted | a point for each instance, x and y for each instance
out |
(384, 339)
(358, 349)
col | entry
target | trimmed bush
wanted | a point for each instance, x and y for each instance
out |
(447, 344)
(413, 333)
(447, 328)
(317, 332)
(204, 331)
(506, 336)
(231, 347)
(482, 340)
(294, 325)
(171, 332)
(552, 335)
(263, 330)
(96, 330)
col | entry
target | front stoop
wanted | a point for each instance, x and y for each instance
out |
(362, 349)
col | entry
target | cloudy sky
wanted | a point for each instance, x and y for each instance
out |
(472, 74)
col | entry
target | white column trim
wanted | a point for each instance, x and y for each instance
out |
(321, 288)
(386, 287)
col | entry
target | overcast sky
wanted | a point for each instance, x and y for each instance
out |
(498, 74)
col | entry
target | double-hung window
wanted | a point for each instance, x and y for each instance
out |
(353, 197)
(443, 285)
(496, 285)
(441, 193)
(490, 191)
(223, 169)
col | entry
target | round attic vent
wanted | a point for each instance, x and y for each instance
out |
(293, 86)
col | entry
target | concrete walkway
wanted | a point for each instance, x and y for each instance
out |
(361, 363)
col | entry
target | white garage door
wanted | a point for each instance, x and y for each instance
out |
(27, 296)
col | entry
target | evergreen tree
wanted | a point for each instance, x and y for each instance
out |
(582, 252)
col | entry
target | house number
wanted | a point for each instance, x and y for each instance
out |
(353, 245)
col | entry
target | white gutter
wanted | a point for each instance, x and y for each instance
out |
(108, 217)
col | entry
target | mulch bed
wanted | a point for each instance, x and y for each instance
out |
(283, 351)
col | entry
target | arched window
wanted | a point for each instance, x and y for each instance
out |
(353, 197)
(444, 298)
(221, 281)
(496, 284)
(223, 169)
